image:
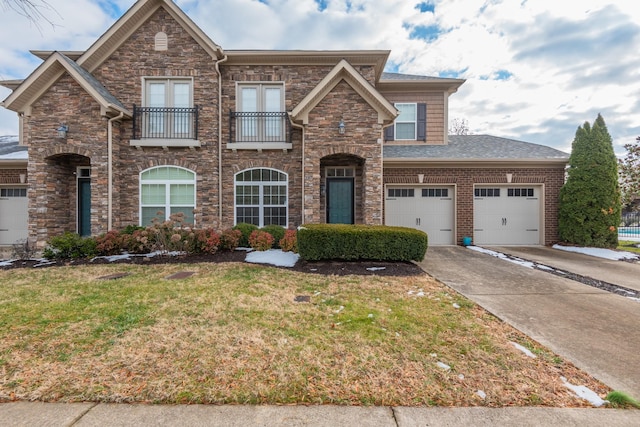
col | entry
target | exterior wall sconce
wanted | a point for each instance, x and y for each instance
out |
(62, 131)
(341, 127)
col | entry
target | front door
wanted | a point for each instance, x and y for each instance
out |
(340, 201)
(84, 206)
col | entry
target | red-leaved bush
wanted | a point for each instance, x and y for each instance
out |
(289, 243)
(260, 240)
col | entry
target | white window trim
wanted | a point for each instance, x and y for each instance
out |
(260, 204)
(414, 121)
(166, 79)
(167, 183)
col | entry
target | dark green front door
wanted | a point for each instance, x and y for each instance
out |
(340, 200)
(84, 206)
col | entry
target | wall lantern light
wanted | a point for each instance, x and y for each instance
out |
(341, 127)
(62, 131)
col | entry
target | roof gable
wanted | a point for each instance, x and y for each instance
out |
(131, 21)
(345, 71)
(50, 71)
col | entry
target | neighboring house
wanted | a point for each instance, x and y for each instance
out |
(13, 191)
(156, 117)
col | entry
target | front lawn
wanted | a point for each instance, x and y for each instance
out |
(629, 246)
(234, 333)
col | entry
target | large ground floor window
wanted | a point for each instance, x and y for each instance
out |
(167, 190)
(261, 197)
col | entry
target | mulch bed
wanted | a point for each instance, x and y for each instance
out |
(330, 267)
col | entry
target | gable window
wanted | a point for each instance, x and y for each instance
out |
(167, 190)
(260, 115)
(411, 123)
(261, 197)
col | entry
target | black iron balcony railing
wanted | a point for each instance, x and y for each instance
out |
(259, 127)
(165, 123)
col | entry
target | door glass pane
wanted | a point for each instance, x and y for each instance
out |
(273, 126)
(181, 99)
(249, 98)
(155, 99)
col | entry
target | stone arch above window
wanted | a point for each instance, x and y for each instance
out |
(161, 41)
(166, 191)
(261, 197)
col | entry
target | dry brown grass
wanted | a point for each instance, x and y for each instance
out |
(232, 333)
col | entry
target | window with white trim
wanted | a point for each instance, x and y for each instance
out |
(167, 190)
(260, 105)
(261, 197)
(169, 101)
(406, 121)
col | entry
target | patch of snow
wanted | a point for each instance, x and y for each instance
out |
(7, 263)
(370, 316)
(482, 394)
(434, 355)
(599, 252)
(456, 305)
(244, 249)
(340, 309)
(44, 263)
(113, 258)
(544, 267)
(376, 268)
(275, 257)
(443, 366)
(420, 294)
(518, 261)
(584, 393)
(461, 377)
(523, 349)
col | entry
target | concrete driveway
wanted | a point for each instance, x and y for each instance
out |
(596, 330)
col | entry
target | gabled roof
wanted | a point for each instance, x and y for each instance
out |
(390, 82)
(50, 71)
(345, 71)
(475, 148)
(133, 19)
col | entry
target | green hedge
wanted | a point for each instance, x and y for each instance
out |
(353, 242)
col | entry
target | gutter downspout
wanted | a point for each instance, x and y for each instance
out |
(301, 127)
(217, 68)
(110, 169)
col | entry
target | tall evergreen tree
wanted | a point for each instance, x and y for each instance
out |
(589, 212)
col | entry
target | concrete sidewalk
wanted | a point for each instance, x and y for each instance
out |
(114, 415)
(594, 329)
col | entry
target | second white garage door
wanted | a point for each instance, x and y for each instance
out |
(506, 215)
(430, 209)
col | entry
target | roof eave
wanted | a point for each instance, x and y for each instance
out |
(474, 162)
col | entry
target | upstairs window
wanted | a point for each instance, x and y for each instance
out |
(260, 112)
(168, 104)
(410, 125)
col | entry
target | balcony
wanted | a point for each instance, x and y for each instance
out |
(165, 127)
(259, 131)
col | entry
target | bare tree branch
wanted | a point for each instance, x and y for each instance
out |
(36, 11)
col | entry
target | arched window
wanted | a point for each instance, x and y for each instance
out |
(261, 197)
(167, 190)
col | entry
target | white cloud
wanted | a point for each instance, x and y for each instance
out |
(535, 70)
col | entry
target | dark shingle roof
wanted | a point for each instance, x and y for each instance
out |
(91, 80)
(9, 148)
(408, 77)
(476, 147)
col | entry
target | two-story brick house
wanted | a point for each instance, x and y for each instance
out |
(156, 117)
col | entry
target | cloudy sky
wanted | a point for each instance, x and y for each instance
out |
(535, 70)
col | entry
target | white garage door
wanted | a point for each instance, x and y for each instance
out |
(506, 215)
(13, 215)
(430, 209)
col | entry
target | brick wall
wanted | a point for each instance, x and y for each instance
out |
(551, 178)
(12, 176)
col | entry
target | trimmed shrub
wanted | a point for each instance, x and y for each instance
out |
(246, 229)
(110, 243)
(354, 242)
(276, 231)
(261, 240)
(289, 242)
(207, 241)
(139, 242)
(70, 246)
(230, 239)
(130, 229)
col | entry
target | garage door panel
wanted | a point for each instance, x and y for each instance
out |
(507, 215)
(430, 209)
(13, 215)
